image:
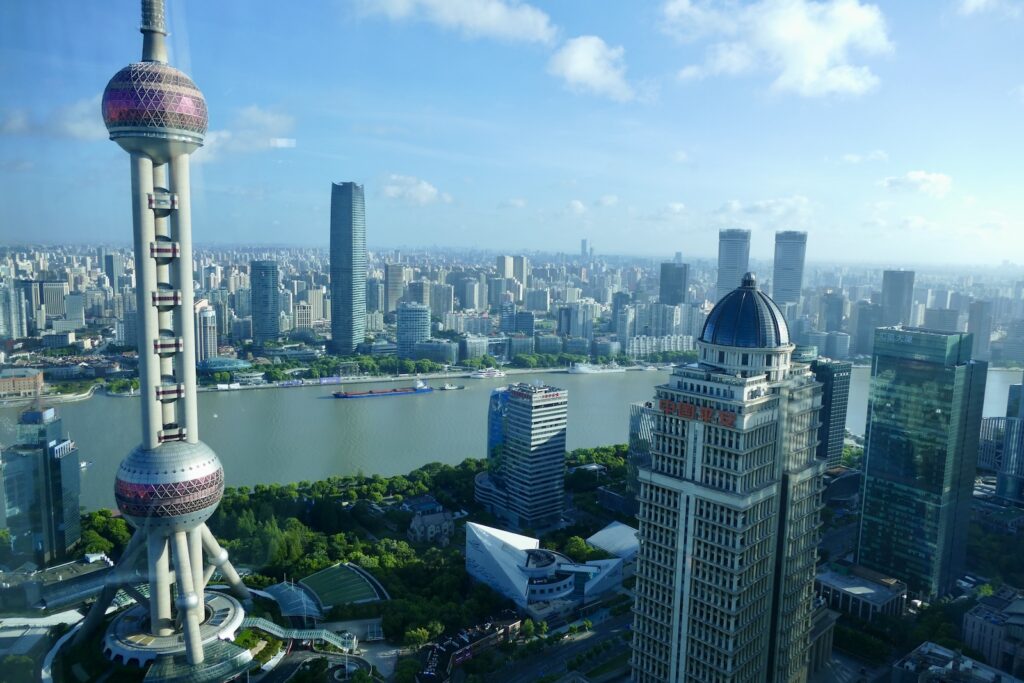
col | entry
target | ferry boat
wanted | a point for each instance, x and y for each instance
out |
(588, 369)
(489, 373)
(418, 388)
(452, 387)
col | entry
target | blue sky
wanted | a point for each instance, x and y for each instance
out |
(890, 131)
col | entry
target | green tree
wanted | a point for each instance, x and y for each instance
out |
(406, 670)
(416, 637)
(17, 669)
(542, 628)
(527, 629)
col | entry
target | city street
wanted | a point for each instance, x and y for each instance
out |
(554, 659)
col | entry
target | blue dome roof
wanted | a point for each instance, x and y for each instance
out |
(746, 317)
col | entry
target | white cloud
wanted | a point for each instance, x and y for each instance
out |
(608, 200)
(932, 184)
(863, 157)
(14, 122)
(588, 64)
(577, 207)
(1018, 92)
(502, 19)
(807, 44)
(413, 190)
(1013, 8)
(80, 120)
(514, 203)
(253, 129)
(794, 210)
(680, 156)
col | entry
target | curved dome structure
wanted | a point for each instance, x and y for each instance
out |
(746, 317)
(152, 101)
(178, 485)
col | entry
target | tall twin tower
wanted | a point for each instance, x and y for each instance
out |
(172, 482)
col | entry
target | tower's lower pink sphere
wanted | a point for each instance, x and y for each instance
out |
(176, 486)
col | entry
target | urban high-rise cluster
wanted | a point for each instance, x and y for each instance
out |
(765, 514)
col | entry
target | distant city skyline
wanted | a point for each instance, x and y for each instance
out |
(642, 129)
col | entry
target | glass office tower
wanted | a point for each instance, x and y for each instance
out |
(348, 267)
(924, 421)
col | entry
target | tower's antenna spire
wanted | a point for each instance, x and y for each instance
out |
(154, 31)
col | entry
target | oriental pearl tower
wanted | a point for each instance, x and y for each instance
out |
(172, 482)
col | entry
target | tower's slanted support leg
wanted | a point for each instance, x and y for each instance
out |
(189, 604)
(219, 559)
(114, 582)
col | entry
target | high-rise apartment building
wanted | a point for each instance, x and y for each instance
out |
(525, 481)
(53, 297)
(206, 331)
(304, 316)
(14, 314)
(942, 319)
(674, 282)
(788, 273)
(897, 297)
(834, 376)
(733, 259)
(418, 292)
(921, 446)
(442, 299)
(39, 497)
(265, 301)
(521, 270)
(113, 268)
(374, 295)
(979, 325)
(864, 318)
(830, 312)
(729, 507)
(503, 265)
(348, 267)
(396, 276)
(413, 327)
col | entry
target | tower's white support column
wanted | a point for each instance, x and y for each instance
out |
(161, 623)
(145, 284)
(195, 556)
(181, 279)
(188, 602)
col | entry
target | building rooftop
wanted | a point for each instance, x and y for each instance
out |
(878, 590)
(746, 317)
(931, 662)
(617, 539)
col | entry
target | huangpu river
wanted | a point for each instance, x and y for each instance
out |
(293, 434)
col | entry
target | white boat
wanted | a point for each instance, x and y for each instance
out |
(489, 373)
(588, 369)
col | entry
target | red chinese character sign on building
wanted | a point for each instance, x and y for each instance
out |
(689, 411)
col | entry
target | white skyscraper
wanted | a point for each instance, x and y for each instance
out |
(729, 507)
(788, 275)
(733, 259)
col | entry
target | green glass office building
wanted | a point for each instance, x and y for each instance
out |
(924, 419)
